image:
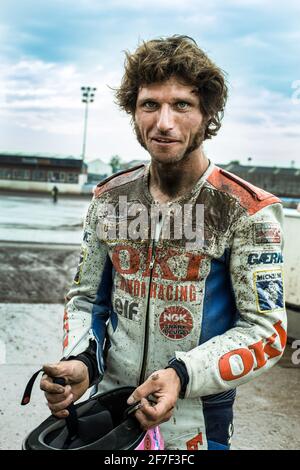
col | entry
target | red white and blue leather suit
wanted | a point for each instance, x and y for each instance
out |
(218, 310)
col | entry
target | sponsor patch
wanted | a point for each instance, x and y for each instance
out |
(265, 258)
(267, 233)
(194, 443)
(269, 290)
(66, 330)
(176, 322)
(86, 236)
(82, 258)
(126, 309)
(147, 442)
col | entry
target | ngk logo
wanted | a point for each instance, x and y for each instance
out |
(182, 317)
(176, 322)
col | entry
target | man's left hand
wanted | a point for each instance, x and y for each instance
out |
(165, 386)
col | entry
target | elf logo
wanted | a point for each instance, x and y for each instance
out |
(126, 309)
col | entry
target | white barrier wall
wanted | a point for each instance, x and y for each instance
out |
(42, 186)
(291, 253)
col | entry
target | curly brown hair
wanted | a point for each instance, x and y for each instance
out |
(159, 59)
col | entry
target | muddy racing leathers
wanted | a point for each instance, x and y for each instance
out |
(217, 310)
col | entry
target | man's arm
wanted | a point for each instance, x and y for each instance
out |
(257, 340)
(88, 301)
(86, 313)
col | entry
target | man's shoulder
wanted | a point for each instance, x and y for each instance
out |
(119, 179)
(250, 197)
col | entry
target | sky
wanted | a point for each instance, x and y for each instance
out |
(49, 49)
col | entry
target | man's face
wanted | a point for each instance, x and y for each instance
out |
(168, 121)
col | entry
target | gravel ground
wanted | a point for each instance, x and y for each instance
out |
(267, 410)
(36, 273)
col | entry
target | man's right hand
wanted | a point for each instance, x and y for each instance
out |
(58, 397)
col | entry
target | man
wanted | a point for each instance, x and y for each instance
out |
(186, 324)
(54, 193)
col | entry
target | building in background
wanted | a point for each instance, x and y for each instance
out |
(132, 163)
(98, 170)
(283, 182)
(40, 172)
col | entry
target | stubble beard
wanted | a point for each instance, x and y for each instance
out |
(196, 142)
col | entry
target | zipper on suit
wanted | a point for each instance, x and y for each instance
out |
(146, 331)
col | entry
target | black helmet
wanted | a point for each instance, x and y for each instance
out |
(102, 422)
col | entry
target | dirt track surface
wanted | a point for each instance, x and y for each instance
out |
(267, 410)
(36, 273)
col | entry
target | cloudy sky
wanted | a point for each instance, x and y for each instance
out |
(49, 49)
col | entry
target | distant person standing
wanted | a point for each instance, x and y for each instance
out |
(54, 193)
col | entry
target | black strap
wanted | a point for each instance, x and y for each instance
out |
(28, 389)
(71, 420)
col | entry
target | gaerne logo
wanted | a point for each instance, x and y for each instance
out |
(176, 322)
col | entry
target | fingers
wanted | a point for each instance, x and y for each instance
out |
(48, 386)
(58, 397)
(73, 371)
(54, 398)
(62, 405)
(61, 414)
(57, 402)
(150, 386)
(164, 385)
(61, 369)
(149, 416)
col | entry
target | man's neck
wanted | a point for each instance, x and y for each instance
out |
(172, 180)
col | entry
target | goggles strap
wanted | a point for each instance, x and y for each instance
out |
(71, 420)
(28, 389)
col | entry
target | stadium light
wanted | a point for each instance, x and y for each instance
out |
(88, 96)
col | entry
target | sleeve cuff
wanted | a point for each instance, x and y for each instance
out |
(88, 357)
(182, 373)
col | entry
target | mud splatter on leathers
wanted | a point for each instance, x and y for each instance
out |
(218, 309)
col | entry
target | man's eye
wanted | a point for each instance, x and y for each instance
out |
(150, 105)
(182, 105)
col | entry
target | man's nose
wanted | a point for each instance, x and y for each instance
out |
(165, 121)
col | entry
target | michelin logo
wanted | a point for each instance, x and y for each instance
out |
(269, 290)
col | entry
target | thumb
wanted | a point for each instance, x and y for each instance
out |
(54, 370)
(143, 391)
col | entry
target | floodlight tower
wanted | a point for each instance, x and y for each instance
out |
(88, 95)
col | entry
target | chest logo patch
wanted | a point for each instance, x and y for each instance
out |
(267, 233)
(176, 322)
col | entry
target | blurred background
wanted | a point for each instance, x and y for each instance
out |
(61, 133)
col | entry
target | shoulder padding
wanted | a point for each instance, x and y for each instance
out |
(118, 179)
(249, 196)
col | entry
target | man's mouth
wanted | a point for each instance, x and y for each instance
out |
(164, 140)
